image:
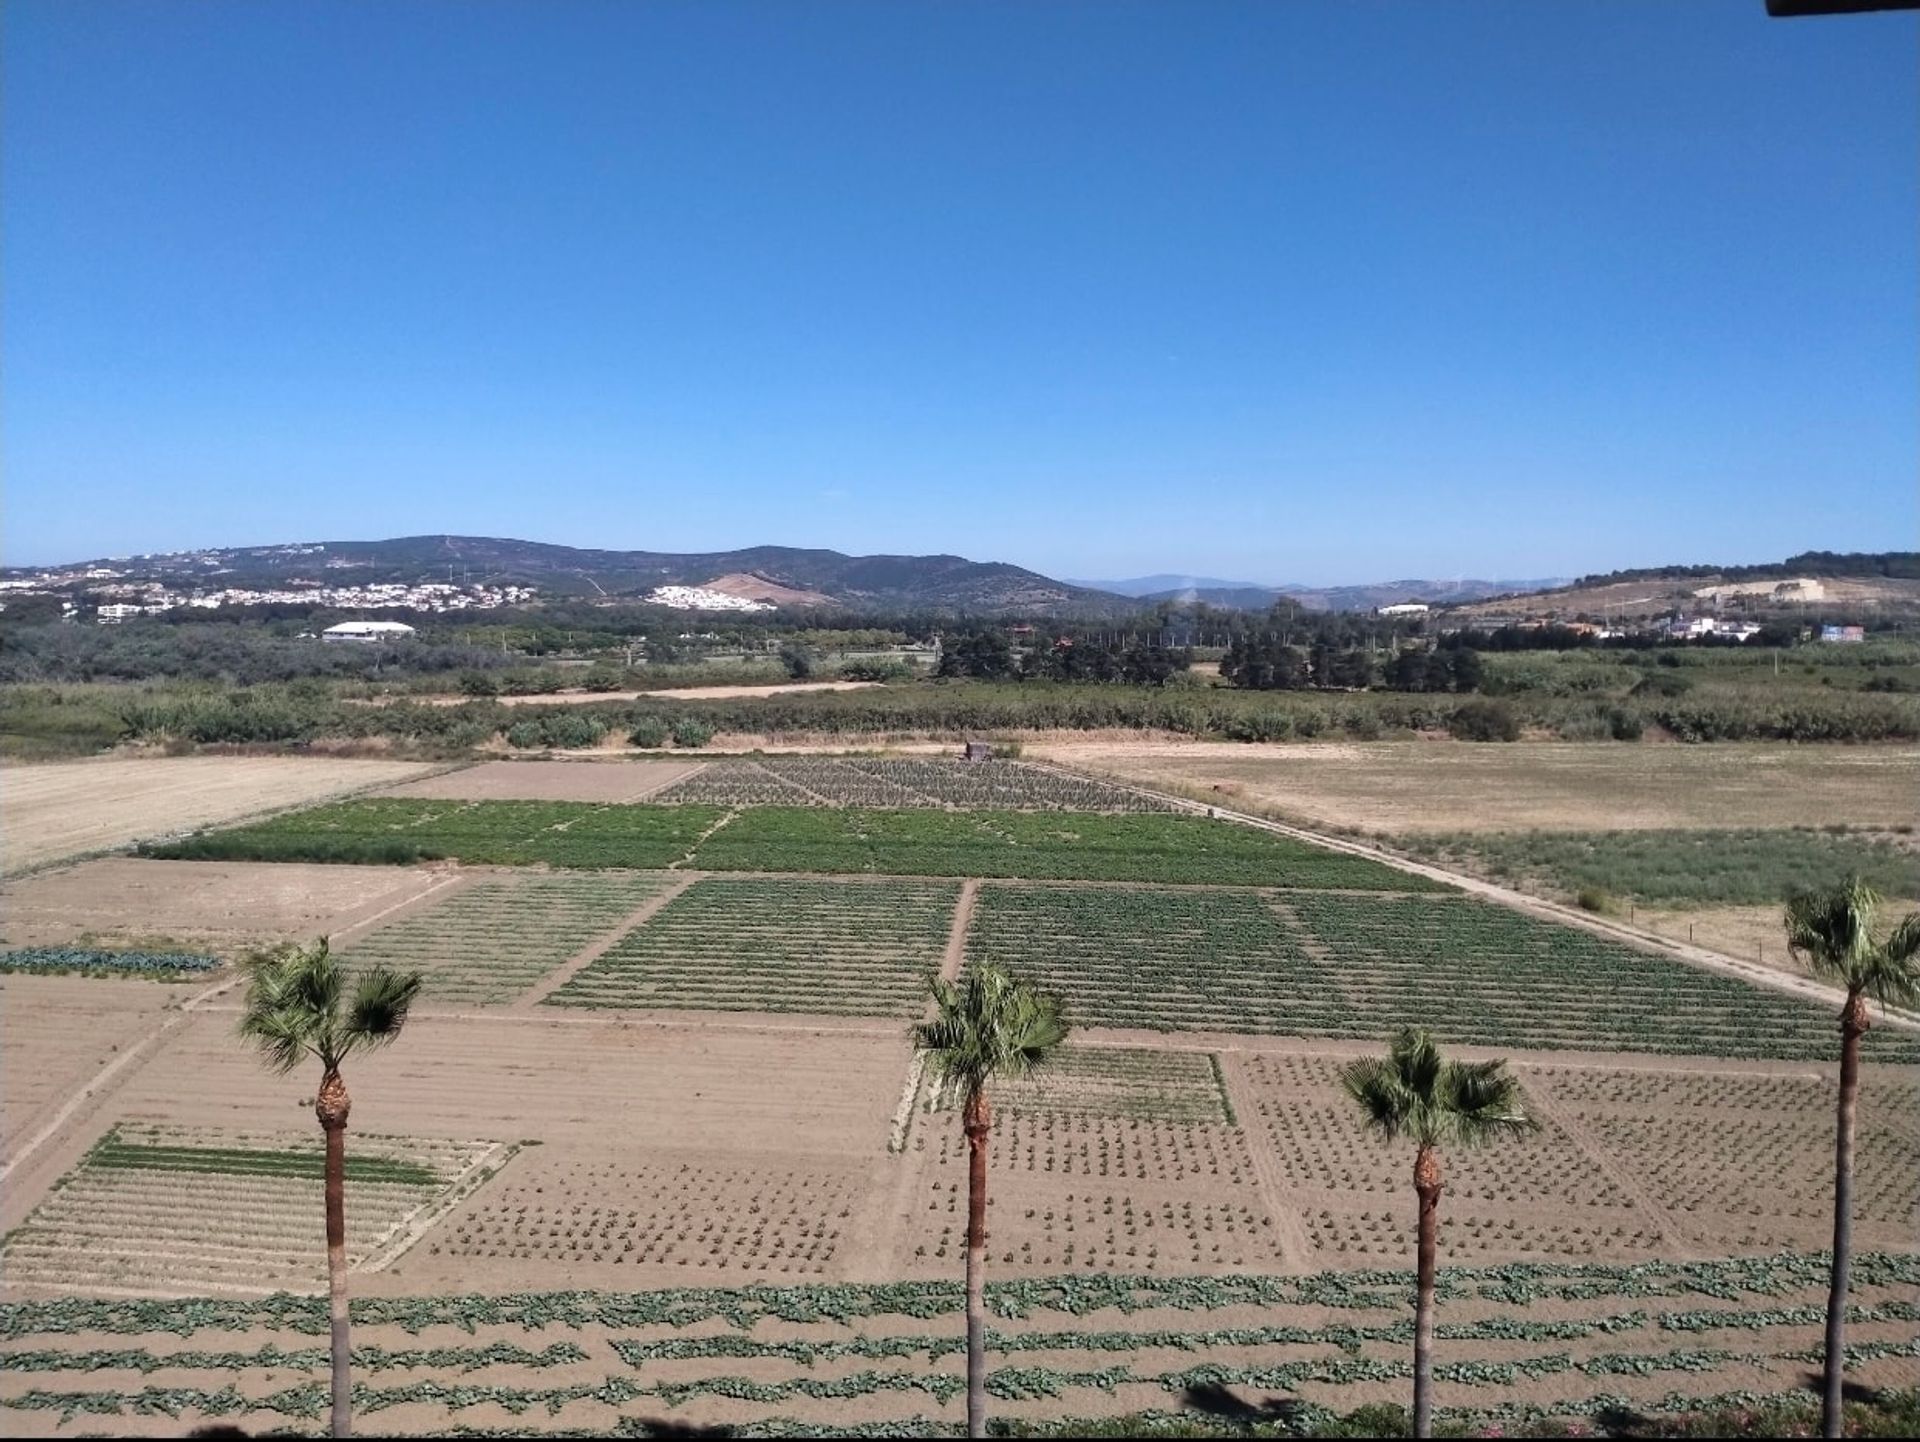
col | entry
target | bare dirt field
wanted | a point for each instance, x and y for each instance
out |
(1750, 932)
(772, 1153)
(1395, 787)
(551, 781)
(225, 905)
(69, 808)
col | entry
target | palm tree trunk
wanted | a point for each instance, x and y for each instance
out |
(1853, 1023)
(332, 1106)
(978, 1122)
(1427, 1183)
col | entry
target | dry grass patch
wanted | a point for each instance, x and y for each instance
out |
(72, 807)
(1398, 787)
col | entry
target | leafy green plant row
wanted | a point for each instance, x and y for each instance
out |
(1036, 845)
(1347, 1338)
(304, 1163)
(1513, 1284)
(90, 961)
(311, 1359)
(1012, 1383)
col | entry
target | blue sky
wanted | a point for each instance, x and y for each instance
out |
(1313, 292)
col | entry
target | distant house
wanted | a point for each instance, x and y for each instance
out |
(113, 615)
(1405, 608)
(978, 751)
(367, 631)
(1843, 633)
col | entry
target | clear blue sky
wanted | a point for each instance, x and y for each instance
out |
(1313, 291)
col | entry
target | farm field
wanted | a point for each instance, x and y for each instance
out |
(225, 906)
(488, 833)
(498, 936)
(1733, 867)
(1397, 788)
(894, 781)
(654, 1151)
(746, 944)
(61, 809)
(1341, 965)
(600, 781)
(1168, 1226)
(1170, 850)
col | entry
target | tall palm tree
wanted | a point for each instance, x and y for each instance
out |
(1832, 934)
(990, 1024)
(299, 1006)
(1412, 1092)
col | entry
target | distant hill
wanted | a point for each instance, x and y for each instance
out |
(1854, 584)
(1167, 583)
(1242, 596)
(939, 583)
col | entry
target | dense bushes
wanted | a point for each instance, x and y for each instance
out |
(1484, 721)
(274, 715)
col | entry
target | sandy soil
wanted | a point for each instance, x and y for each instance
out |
(763, 1159)
(226, 904)
(1752, 932)
(550, 781)
(1439, 785)
(69, 808)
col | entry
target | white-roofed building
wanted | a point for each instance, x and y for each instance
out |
(367, 631)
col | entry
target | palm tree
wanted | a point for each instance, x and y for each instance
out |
(1412, 1092)
(990, 1024)
(1832, 934)
(294, 1010)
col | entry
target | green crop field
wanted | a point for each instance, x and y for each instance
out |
(1041, 846)
(902, 781)
(498, 833)
(1350, 966)
(1035, 845)
(491, 941)
(1686, 868)
(746, 944)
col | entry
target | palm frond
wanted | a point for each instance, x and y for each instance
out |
(1414, 1092)
(1485, 1100)
(1831, 931)
(381, 1000)
(284, 1014)
(1893, 972)
(989, 1024)
(1375, 1084)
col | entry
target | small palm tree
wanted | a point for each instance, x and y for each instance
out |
(1412, 1092)
(990, 1024)
(1832, 934)
(298, 1007)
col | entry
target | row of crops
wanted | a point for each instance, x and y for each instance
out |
(913, 781)
(745, 943)
(1334, 965)
(399, 831)
(1035, 845)
(90, 961)
(492, 940)
(1127, 1082)
(154, 1208)
(1578, 1338)
(1038, 846)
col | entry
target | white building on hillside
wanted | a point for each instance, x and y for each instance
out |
(367, 631)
